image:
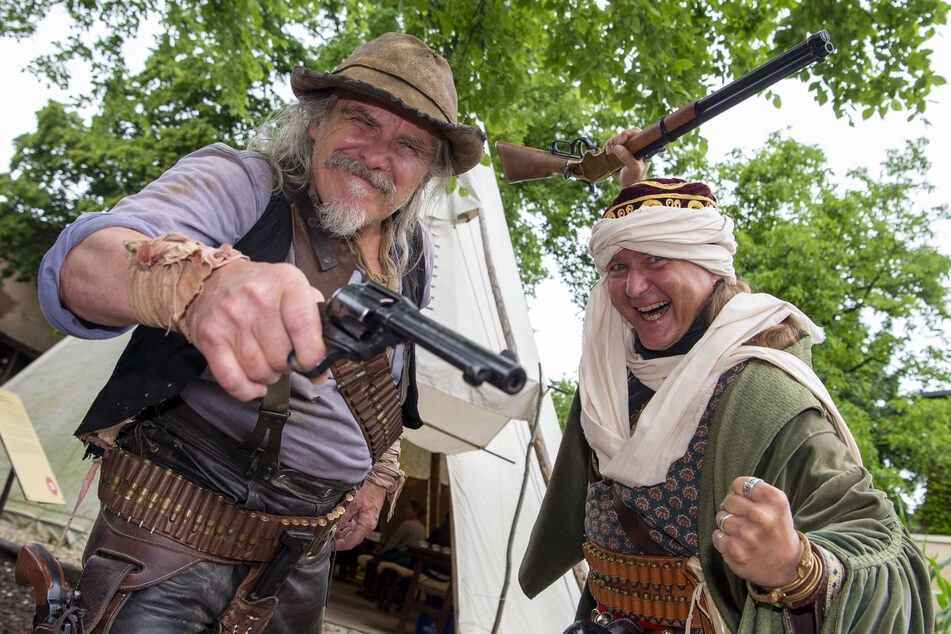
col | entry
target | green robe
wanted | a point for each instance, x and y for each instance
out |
(775, 429)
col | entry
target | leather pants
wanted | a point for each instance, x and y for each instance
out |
(192, 600)
(192, 596)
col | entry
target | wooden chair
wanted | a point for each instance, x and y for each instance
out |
(423, 588)
(389, 576)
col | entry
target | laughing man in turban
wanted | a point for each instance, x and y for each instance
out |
(705, 474)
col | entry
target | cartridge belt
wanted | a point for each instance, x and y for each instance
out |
(369, 390)
(163, 502)
(655, 589)
(367, 387)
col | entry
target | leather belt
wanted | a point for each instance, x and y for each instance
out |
(163, 502)
(657, 589)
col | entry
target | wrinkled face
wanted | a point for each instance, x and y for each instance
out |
(659, 297)
(370, 158)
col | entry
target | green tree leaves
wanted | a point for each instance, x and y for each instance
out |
(858, 258)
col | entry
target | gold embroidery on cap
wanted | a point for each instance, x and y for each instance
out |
(659, 200)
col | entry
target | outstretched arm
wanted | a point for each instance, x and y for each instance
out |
(244, 316)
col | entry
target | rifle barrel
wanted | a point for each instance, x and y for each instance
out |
(523, 163)
(815, 48)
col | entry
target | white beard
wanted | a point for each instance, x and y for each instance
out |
(341, 218)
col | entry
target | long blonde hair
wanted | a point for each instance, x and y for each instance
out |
(779, 337)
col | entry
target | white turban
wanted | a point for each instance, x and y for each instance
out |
(702, 236)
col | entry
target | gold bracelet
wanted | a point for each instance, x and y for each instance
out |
(820, 586)
(808, 577)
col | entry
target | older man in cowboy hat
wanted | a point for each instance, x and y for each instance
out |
(227, 479)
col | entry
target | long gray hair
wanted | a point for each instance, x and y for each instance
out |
(284, 140)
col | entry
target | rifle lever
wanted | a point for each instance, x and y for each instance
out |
(575, 148)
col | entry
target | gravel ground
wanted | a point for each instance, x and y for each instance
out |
(16, 602)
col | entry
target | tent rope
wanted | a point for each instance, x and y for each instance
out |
(531, 447)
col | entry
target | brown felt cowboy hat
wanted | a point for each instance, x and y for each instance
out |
(400, 70)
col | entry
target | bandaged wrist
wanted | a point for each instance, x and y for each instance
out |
(386, 474)
(167, 273)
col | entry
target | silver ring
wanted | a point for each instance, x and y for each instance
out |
(748, 487)
(723, 520)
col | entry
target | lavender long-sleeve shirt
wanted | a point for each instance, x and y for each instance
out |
(215, 195)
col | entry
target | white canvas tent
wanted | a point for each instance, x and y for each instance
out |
(496, 492)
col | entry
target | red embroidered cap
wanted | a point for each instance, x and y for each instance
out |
(661, 192)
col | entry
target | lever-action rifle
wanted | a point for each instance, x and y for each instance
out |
(565, 158)
(361, 320)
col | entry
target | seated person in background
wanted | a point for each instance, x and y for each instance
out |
(347, 562)
(442, 534)
(396, 548)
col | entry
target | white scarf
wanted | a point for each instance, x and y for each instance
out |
(702, 236)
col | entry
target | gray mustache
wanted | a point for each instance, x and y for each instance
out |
(339, 160)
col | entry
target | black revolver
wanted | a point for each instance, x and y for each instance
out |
(361, 320)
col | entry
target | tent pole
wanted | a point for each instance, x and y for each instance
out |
(541, 453)
(537, 443)
(434, 487)
(496, 290)
(534, 427)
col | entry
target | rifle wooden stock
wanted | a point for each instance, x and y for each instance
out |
(522, 163)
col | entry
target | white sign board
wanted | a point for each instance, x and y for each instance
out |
(26, 453)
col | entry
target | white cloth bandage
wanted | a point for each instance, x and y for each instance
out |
(386, 474)
(167, 273)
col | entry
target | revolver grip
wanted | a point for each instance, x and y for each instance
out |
(36, 567)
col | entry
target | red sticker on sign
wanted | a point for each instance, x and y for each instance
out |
(51, 485)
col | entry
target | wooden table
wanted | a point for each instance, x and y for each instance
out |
(428, 557)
